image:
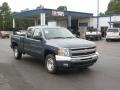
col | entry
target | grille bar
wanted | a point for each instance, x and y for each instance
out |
(83, 51)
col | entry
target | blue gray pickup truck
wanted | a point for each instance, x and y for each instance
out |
(56, 46)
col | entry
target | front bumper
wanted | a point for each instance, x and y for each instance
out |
(78, 62)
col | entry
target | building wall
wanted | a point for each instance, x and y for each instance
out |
(85, 20)
(92, 22)
(115, 18)
(103, 21)
(62, 23)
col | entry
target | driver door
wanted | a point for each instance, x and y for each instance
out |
(37, 43)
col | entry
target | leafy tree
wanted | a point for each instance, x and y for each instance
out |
(62, 8)
(101, 14)
(5, 17)
(40, 7)
(113, 7)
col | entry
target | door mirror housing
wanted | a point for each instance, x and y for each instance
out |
(38, 37)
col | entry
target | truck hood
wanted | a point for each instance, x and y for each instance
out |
(70, 43)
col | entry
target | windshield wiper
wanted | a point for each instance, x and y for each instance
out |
(57, 37)
(60, 37)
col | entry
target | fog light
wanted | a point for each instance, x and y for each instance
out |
(66, 64)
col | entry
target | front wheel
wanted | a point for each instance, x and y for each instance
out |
(50, 64)
(17, 53)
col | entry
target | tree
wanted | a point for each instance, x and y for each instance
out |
(5, 17)
(101, 14)
(62, 8)
(113, 7)
(40, 7)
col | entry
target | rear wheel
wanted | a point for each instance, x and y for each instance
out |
(17, 53)
(50, 64)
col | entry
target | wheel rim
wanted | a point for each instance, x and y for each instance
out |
(15, 52)
(50, 64)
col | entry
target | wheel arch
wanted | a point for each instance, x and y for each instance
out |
(14, 44)
(48, 51)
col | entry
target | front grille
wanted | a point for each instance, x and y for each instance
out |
(83, 51)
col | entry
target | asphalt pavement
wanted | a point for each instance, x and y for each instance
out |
(30, 74)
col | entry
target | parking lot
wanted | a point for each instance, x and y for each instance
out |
(30, 74)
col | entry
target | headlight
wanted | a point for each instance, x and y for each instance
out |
(63, 52)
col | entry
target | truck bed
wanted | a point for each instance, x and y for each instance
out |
(19, 40)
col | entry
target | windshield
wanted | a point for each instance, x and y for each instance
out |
(92, 30)
(53, 33)
(112, 30)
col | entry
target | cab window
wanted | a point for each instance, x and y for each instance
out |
(112, 30)
(30, 33)
(37, 34)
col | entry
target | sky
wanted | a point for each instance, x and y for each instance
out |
(89, 6)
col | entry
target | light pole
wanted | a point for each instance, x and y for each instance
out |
(97, 14)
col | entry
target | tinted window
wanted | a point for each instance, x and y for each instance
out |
(93, 30)
(29, 33)
(112, 30)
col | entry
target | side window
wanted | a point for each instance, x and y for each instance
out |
(37, 34)
(29, 33)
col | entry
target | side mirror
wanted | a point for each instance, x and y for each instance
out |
(38, 38)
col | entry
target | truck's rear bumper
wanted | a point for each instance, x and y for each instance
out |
(92, 36)
(113, 38)
(80, 62)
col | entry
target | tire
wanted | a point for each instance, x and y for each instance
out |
(88, 38)
(50, 64)
(17, 53)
